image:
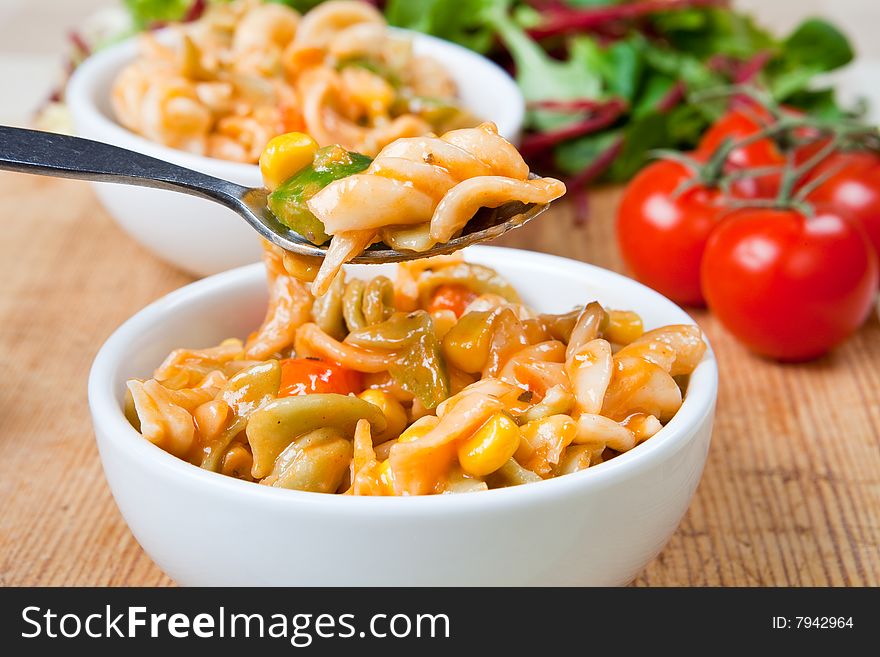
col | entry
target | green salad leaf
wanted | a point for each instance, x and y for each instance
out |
(815, 47)
(541, 77)
(708, 32)
(148, 12)
(301, 6)
(462, 21)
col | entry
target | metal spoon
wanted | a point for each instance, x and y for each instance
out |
(49, 154)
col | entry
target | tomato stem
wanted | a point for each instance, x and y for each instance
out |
(753, 93)
(684, 159)
(706, 174)
(756, 172)
(789, 180)
(771, 204)
(790, 132)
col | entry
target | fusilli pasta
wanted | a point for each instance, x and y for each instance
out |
(248, 71)
(378, 389)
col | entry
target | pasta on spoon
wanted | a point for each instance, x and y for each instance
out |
(418, 192)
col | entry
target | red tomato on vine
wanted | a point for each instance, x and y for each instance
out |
(788, 285)
(852, 187)
(662, 229)
(737, 125)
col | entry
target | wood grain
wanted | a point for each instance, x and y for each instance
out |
(790, 495)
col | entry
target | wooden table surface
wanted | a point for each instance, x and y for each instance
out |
(790, 494)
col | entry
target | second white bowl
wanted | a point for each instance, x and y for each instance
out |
(202, 237)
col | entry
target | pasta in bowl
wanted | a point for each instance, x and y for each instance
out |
(597, 527)
(440, 380)
(248, 70)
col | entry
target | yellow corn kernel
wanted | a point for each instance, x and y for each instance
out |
(385, 477)
(394, 412)
(418, 428)
(624, 326)
(284, 156)
(490, 447)
(466, 344)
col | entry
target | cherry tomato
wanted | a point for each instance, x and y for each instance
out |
(662, 234)
(738, 124)
(304, 376)
(789, 286)
(451, 297)
(853, 188)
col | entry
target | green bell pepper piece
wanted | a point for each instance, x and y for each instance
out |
(288, 202)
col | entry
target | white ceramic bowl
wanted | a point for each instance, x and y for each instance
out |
(202, 237)
(597, 527)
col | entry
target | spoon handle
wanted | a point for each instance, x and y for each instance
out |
(50, 154)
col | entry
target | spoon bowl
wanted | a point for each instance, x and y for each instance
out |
(44, 153)
(486, 225)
